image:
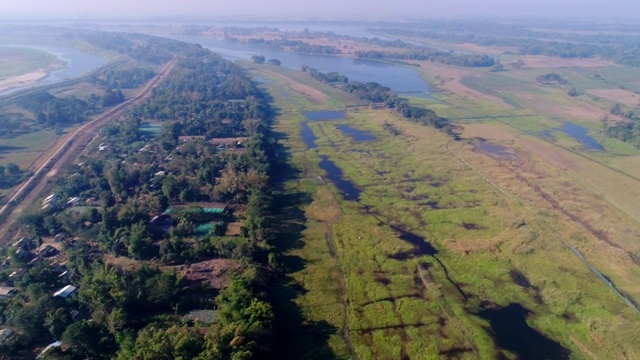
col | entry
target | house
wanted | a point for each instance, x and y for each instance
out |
(64, 276)
(49, 199)
(6, 335)
(49, 347)
(24, 243)
(21, 253)
(60, 237)
(184, 139)
(46, 250)
(161, 223)
(6, 291)
(76, 315)
(65, 292)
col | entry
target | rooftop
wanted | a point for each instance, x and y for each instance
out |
(65, 292)
(6, 291)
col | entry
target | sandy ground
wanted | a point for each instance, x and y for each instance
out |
(625, 97)
(22, 80)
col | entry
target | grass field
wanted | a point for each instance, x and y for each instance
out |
(18, 61)
(378, 299)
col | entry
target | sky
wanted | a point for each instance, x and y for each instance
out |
(306, 9)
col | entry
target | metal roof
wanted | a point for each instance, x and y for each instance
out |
(65, 291)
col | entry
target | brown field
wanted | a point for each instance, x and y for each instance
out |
(542, 61)
(313, 94)
(565, 110)
(450, 77)
(625, 97)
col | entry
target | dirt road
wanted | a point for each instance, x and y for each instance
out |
(63, 153)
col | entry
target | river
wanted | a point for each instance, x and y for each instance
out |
(78, 63)
(399, 78)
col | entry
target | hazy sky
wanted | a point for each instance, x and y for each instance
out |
(371, 9)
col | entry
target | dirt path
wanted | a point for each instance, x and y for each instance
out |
(64, 153)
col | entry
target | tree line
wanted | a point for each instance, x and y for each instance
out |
(374, 92)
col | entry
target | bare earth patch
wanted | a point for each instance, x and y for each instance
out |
(210, 272)
(625, 97)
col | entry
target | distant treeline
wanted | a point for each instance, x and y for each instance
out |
(151, 49)
(297, 46)
(439, 56)
(374, 92)
(625, 55)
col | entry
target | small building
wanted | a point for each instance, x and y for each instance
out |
(46, 250)
(49, 199)
(24, 243)
(6, 291)
(64, 275)
(60, 237)
(161, 223)
(65, 292)
(184, 138)
(49, 347)
(73, 200)
(21, 253)
(6, 335)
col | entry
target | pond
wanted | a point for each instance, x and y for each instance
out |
(357, 134)
(581, 134)
(325, 115)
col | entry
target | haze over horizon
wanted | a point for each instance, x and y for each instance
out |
(329, 9)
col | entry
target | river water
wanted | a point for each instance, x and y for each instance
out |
(399, 78)
(78, 64)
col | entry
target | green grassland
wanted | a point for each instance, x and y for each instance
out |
(380, 305)
(18, 60)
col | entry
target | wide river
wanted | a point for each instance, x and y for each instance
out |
(399, 78)
(78, 64)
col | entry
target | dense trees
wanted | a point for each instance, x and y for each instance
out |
(135, 309)
(376, 93)
(434, 55)
(528, 39)
(551, 78)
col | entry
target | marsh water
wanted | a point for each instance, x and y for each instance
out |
(356, 134)
(578, 133)
(581, 134)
